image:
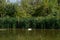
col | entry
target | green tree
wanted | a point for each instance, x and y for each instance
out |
(30, 5)
(2, 5)
(46, 8)
(20, 12)
(10, 10)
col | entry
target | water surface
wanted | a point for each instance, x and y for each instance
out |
(24, 34)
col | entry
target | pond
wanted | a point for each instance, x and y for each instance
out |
(35, 34)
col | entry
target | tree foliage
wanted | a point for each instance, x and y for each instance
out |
(31, 8)
(10, 10)
(30, 13)
(2, 5)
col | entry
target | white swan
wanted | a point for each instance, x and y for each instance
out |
(29, 29)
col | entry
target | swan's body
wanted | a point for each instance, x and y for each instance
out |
(29, 29)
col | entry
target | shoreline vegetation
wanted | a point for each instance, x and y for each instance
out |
(36, 14)
(37, 23)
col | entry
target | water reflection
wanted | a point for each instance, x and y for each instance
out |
(24, 34)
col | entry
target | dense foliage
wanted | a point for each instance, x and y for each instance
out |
(40, 23)
(42, 14)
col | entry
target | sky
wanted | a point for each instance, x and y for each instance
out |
(13, 0)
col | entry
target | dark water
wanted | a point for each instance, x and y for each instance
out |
(24, 34)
